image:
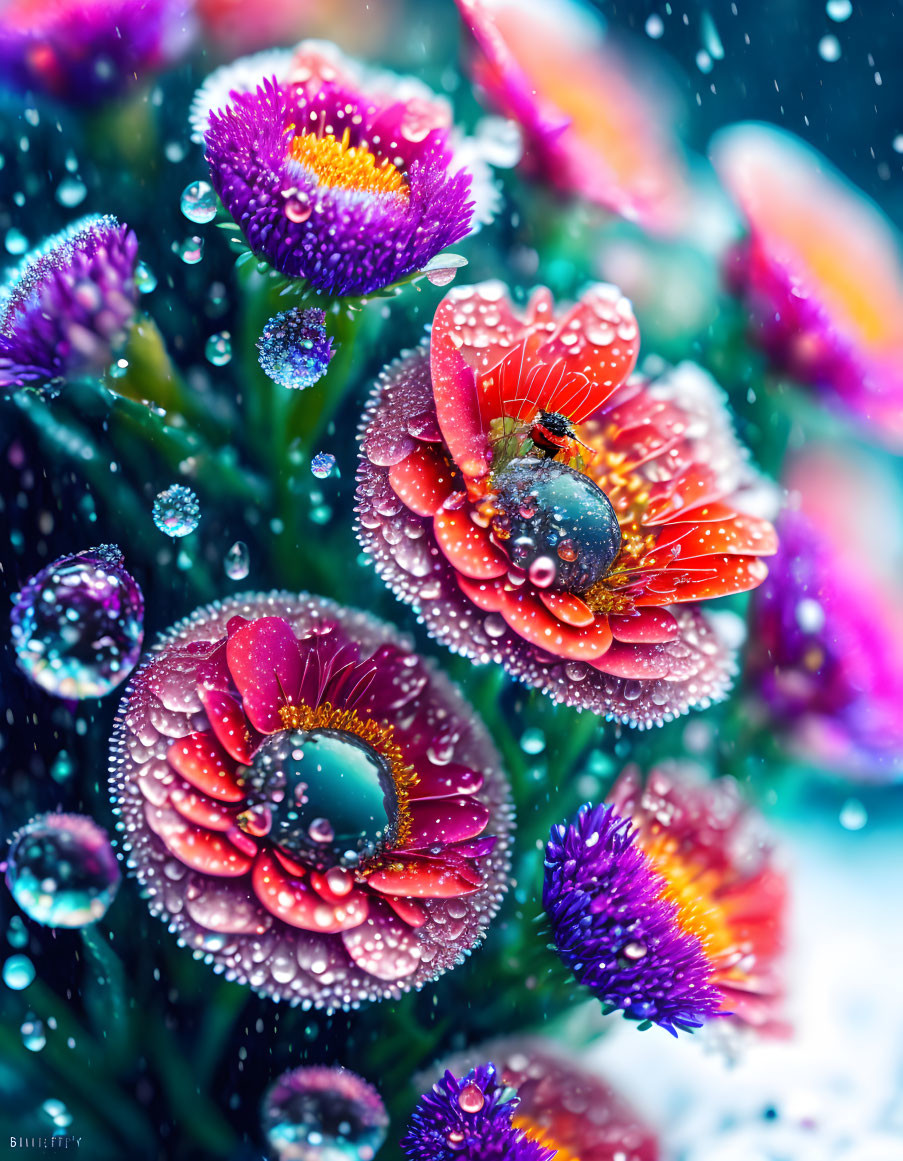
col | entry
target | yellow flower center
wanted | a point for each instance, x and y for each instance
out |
(336, 163)
(543, 1137)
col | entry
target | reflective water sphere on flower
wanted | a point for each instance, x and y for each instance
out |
(308, 803)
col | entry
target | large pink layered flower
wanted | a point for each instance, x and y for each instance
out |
(581, 572)
(307, 803)
(819, 271)
(593, 125)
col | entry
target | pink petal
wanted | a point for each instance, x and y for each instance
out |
(265, 664)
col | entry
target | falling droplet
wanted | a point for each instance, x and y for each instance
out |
(218, 349)
(853, 815)
(237, 561)
(145, 279)
(71, 192)
(322, 464)
(177, 511)
(191, 251)
(829, 48)
(198, 203)
(533, 741)
(33, 1035)
(839, 10)
(18, 972)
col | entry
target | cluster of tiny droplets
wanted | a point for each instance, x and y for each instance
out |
(322, 464)
(62, 871)
(177, 511)
(228, 934)
(294, 348)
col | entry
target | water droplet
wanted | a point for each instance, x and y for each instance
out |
(634, 951)
(62, 768)
(533, 741)
(71, 192)
(237, 561)
(829, 48)
(839, 10)
(62, 870)
(177, 511)
(542, 572)
(853, 815)
(318, 1113)
(655, 26)
(501, 141)
(218, 349)
(145, 279)
(471, 1098)
(17, 932)
(18, 972)
(33, 1035)
(441, 270)
(322, 464)
(198, 202)
(15, 242)
(78, 624)
(298, 206)
(191, 251)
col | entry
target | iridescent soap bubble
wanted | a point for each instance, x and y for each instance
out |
(78, 624)
(294, 348)
(177, 511)
(322, 464)
(61, 870)
(324, 1114)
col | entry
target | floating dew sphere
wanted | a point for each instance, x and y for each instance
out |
(78, 624)
(218, 349)
(237, 561)
(322, 464)
(556, 524)
(18, 972)
(62, 871)
(198, 203)
(177, 511)
(324, 1114)
(294, 348)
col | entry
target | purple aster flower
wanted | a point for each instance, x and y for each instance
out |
(332, 175)
(311, 806)
(469, 1119)
(825, 656)
(67, 309)
(295, 349)
(87, 51)
(618, 929)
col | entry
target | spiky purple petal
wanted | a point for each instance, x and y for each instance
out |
(602, 895)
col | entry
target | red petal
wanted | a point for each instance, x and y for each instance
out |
(528, 617)
(643, 662)
(295, 903)
(479, 322)
(265, 663)
(458, 408)
(441, 781)
(204, 851)
(486, 595)
(694, 486)
(201, 760)
(198, 808)
(423, 880)
(567, 607)
(446, 820)
(730, 574)
(468, 547)
(230, 725)
(422, 481)
(739, 536)
(647, 627)
(409, 911)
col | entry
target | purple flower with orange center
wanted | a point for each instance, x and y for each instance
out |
(543, 510)
(67, 309)
(307, 803)
(564, 1107)
(667, 905)
(469, 1118)
(594, 120)
(819, 272)
(825, 657)
(84, 52)
(350, 180)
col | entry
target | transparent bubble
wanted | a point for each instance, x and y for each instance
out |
(145, 279)
(62, 768)
(533, 741)
(18, 972)
(17, 932)
(71, 192)
(191, 251)
(655, 26)
(324, 1114)
(237, 561)
(15, 241)
(61, 870)
(829, 48)
(33, 1035)
(839, 10)
(78, 624)
(853, 815)
(322, 464)
(177, 511)
(218, 349)
(198, 202)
